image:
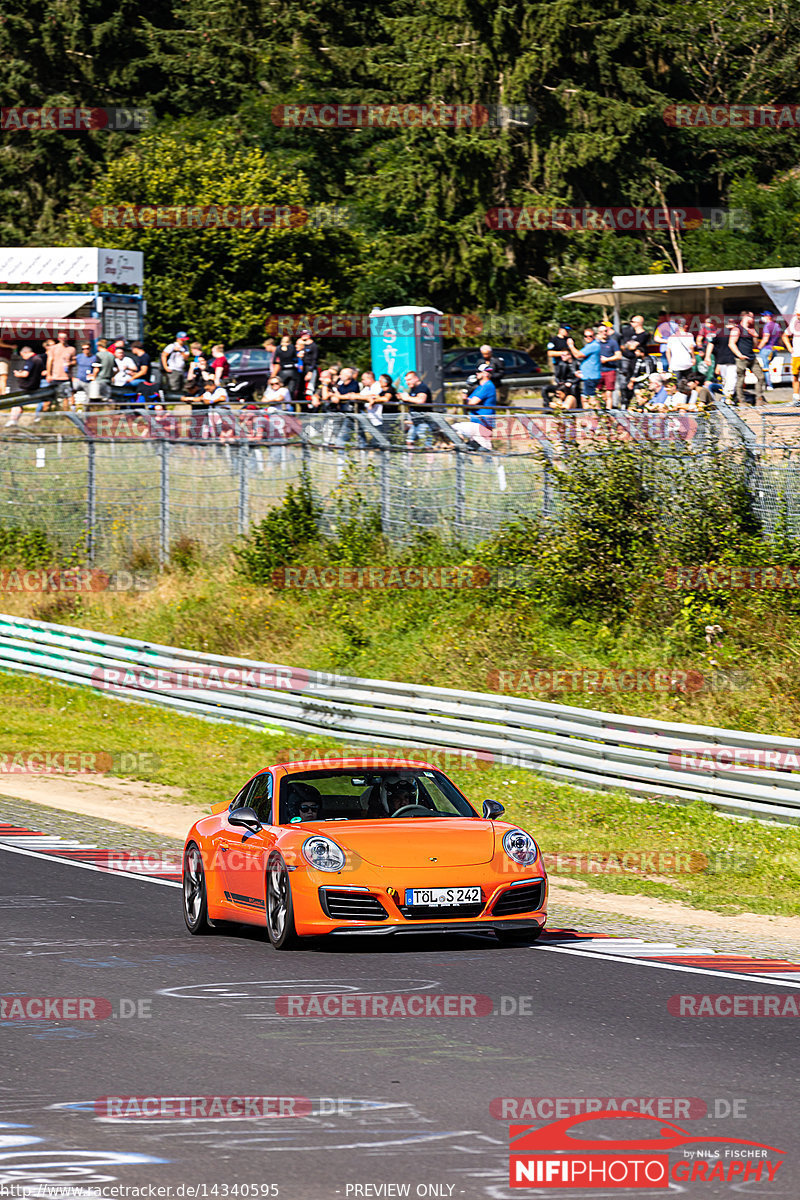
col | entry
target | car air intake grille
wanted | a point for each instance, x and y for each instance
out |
(351, 906)
(439, 912)
(526, 898)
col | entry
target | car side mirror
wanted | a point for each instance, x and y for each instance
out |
(245, 816)
(492, 809)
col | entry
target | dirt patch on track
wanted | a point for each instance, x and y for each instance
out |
(149, 806)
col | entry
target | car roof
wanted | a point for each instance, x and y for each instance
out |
(355, 764)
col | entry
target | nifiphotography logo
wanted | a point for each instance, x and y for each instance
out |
(552, 1156)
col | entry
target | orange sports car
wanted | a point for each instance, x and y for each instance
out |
(355, 848)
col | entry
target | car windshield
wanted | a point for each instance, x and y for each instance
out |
(345, 794)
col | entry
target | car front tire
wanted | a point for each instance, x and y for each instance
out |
(280, 911)
(195, 897)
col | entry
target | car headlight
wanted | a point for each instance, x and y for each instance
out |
(520, 846)
(323, 854)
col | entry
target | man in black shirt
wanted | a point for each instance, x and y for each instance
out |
(742, 344)
(719, 348)
(27, 379)
(418, 397)
(561, 355)
(310, 357)
(142, 360)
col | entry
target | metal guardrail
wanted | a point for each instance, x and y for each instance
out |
(571, 745)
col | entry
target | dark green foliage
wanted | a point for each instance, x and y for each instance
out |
(28, 548)
(282, 536)
(601, 78)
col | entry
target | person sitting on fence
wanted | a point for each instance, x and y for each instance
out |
(564, 398)
(419, 399)
(196, 377)
(659, 393)
(124, 368)
(642, 396)
(344, 398)
(701, 393)
(679, 397)
(483, 401)
(277, 394)
(218, 418)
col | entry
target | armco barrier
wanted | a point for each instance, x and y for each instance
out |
(574, 745)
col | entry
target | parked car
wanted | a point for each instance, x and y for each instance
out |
(251, 364)
(461, 362)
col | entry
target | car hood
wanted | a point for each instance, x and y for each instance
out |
(414, 842)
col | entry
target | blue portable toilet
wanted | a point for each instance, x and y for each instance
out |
(409, 339)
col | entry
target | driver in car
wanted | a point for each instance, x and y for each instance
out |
(400, 792)
(305, 803)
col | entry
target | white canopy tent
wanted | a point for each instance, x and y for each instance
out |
(51, 266)
(33, 315)
(711, 293)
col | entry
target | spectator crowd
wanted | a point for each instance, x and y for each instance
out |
(669, 369)
(294, 384)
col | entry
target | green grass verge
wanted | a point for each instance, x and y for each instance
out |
(750, 867)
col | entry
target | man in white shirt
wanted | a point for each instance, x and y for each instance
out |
(174, 360)
(680, 351)
(124, 368)
(217, 422)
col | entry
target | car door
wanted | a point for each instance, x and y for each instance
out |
(245, 852)
(257, 366)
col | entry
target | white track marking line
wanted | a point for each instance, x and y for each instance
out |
(642, 962)
(664, 966)
(70, 862)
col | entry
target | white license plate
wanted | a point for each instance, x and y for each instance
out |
(443, 897)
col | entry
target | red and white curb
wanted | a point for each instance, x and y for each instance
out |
(664, 955)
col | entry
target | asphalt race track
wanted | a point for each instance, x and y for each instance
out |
(392, 1101)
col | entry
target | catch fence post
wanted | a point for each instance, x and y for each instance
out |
(461, 488)
(243, 486)
(163, 523)
(91, 501)
(386, 489)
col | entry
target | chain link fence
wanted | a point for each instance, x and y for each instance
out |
(124, 488)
